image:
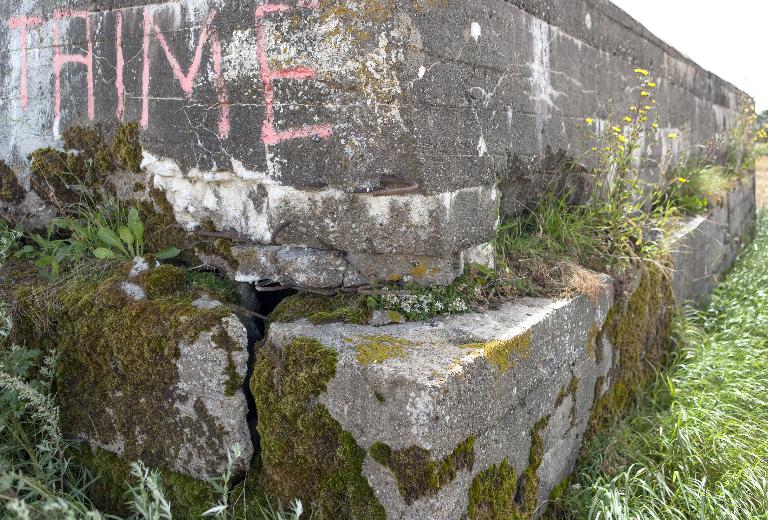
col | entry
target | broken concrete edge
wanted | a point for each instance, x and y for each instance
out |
(411, 394)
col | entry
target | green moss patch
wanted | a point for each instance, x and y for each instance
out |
(164, 280)
(319, 309)
(639, 330)
(492, 494)
(215, 286)
(126, 148)
(376, 349)
(417, 474)
(87, 158)
(498, 494)
(305, 452)
(502, 353)
(10, 189)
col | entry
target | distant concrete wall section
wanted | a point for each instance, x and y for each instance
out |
(364, 129)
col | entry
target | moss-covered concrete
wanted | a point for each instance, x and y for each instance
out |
(305, 452)
(87, 158)
(417, 474)
(638, 328)
(492, 494)
(126, 148)
(10, 189)
(117, 373)
(497, 494)
(318, 309)
(165, 280)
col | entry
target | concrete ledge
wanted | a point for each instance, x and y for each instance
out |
(490, 376)
(706, 246)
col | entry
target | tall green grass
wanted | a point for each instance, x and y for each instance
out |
(697, 446)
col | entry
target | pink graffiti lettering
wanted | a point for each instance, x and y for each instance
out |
(269, 134)
(119, 66)
(23, 23)
(186, 81)
(59, 59)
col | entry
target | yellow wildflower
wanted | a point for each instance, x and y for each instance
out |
(644, 93)
(622, 138)
(655, 125)
(642, 72)
(672, 135)
(682, 180)
(589, 121)
(616, 129)
(651, 85)
(621, 147)
(628, 119)
(633, 108)
(644, 119)
(648, 107)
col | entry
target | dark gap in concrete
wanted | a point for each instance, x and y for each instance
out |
(263, 303)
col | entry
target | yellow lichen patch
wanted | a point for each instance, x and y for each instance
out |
(379, 348)
(499, 352)
(419, 271)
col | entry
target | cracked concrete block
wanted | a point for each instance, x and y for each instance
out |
(205, 367)
(305, 267)
(152, 369)
(487, 377)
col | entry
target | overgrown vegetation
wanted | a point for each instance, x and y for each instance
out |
(695, 445)
(628, 214)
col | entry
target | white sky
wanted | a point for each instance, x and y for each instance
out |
(728, 38)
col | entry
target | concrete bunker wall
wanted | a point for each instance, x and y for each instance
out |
(338, 142)
(352, 139)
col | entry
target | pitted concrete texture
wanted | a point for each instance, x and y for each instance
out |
(706, 246)
(492, 376)
(369, 127)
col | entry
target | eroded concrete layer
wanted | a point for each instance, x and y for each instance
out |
(706, 246)
(266, 117)
(445, 381)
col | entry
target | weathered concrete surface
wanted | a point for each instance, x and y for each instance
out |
(493, 376)
(180, 405)
(444, 387)
(706, 246)
(276, 121)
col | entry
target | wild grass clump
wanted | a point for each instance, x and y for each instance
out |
(696, 445)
